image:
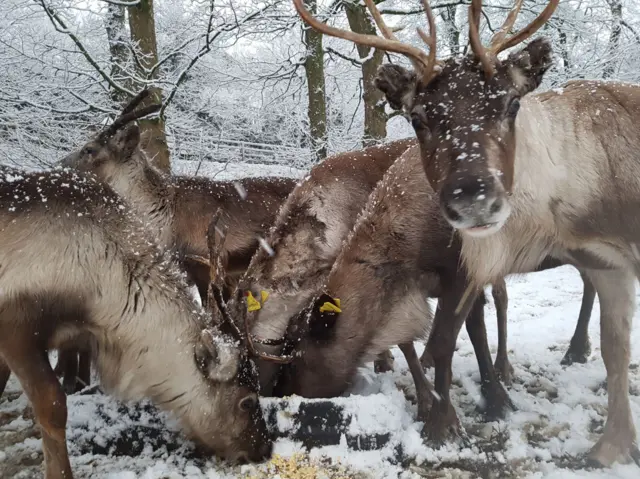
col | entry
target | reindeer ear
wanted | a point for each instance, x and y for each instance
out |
(325, 313)
(217, 358)
(397, 83)
(530, 64)
(126, 140)
(197, 266)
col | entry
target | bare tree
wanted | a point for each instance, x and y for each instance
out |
(375, 118)
(153, 138)
(614, 38)
(452, 32)
(314, 70)
(116, 36)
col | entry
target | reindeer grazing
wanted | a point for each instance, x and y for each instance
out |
(525, 176)
(177, 210)
(307, 236)
(107, 285)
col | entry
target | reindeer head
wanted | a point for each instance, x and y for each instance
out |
(282, 279)
(226, 358)
(316, 368)
(227, 419)
(463, 109)
(114, 146)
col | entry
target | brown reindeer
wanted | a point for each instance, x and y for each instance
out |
(400, 253)
(307, 236)
(177, 210)
(107, 285)
(524, 176)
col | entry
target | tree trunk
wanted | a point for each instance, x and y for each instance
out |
(564, 47)
(452, 32)
(115, 26)
(153, 139)
(314, 69)
(614, 38)
(375, 118)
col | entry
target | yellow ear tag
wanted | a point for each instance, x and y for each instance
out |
(263, 296)
(330, 307)
(337, 301)
(252, 303)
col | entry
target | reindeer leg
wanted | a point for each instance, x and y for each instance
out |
(503, 367)
(580, 346)
(497, 399)
(384, 362)
(203, 291)
(442, 421)
(5, 373)
(84, 369)
(427, 358)
(424, 390)
(616, 290)
(31, 365)
(68, 359)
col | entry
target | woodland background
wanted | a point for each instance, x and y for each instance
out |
(244, 80)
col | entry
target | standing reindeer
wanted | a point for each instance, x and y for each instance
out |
(107, 285)
(522, 176)
(176, 210)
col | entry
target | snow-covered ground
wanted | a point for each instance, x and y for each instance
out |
(561, 411)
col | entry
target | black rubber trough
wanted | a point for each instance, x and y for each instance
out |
(101, 425)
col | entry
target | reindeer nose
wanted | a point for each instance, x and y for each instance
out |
(262, 452)
(471, 200)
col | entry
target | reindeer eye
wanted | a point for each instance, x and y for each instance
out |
(417, 121)
(248, 403)
(89, 150)
(514, 107)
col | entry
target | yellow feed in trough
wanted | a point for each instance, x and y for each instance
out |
(299, 466)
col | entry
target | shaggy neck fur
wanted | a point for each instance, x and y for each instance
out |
(157, 326)
(149, 193)
(561, 168)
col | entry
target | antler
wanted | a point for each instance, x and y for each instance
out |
(285, 359)
(426, 65)
(129, 113)
(499, 41)
(135, 101)
(216, 281)
(216, 275)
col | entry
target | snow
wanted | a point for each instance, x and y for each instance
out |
(561, 411)
(231, 171)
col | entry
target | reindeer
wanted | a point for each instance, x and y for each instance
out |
(307, 236)
(107, 285)
(400, 253)
(522, 177)
(177, 210)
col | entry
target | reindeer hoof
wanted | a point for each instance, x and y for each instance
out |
(442, 427)
(426, 360)
(384, 362)
(577, 354)
(504, 370)
(497, 401)
(605, 453)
